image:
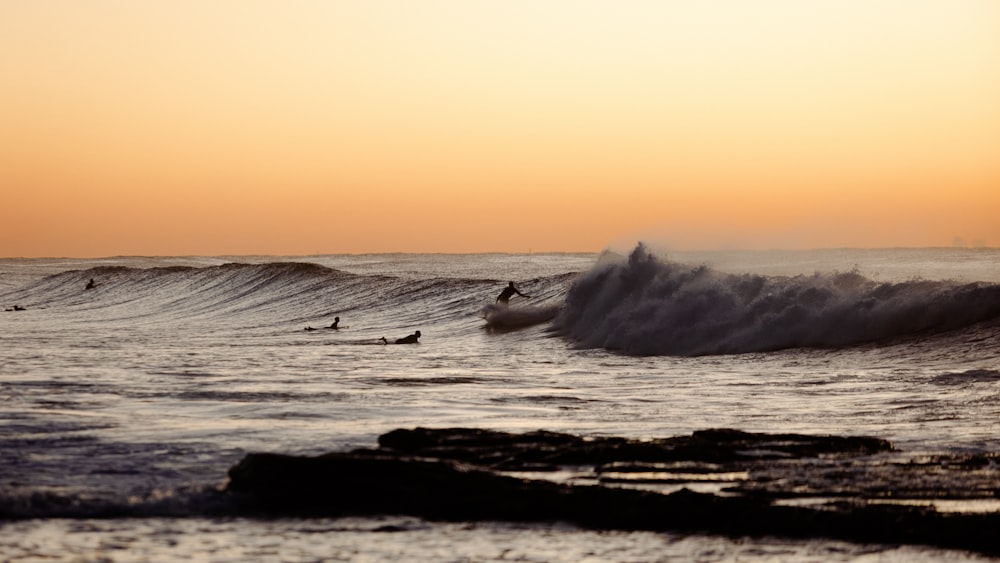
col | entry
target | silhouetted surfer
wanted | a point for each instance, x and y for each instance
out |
(509, 292)
(411, 339)
(90, 284)
(335, 325)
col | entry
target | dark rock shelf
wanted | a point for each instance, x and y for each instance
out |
(839, 485)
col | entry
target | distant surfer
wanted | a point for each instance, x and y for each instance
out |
(335, 325)
(411, 339)
(91, 284)
(509, 292)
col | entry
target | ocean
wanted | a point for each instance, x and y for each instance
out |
(123, 406)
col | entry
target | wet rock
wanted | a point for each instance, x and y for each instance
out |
(469, 474)
(540, 449)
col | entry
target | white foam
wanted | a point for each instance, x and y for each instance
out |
(647, 306)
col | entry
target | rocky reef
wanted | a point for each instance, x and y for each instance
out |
(714, 481)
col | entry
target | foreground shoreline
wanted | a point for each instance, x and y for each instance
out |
(856, 489)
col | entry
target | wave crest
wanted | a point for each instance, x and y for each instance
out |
(645, 306)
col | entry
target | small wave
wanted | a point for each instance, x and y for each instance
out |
(969, 376)
(645, 306)
(267, 397)
(192, 500)
(425, 381)
(187, 284)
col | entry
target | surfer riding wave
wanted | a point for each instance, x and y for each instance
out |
(508, 292)
(501, 316)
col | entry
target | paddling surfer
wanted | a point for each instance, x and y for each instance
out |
(411, 339)
(335, 325)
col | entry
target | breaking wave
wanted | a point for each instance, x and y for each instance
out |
(646, 306)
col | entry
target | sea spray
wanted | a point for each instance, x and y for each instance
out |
(647, 306)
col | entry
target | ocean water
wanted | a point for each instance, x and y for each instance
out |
(123, 406)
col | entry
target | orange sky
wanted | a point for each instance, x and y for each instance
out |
(182, 127)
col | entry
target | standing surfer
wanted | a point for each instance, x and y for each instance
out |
(509, 292)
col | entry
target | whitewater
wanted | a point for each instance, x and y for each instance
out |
(123, 406)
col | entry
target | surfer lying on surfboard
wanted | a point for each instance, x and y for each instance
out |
(335, 325)
(411, 339)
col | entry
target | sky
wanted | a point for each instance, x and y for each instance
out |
(297, 127)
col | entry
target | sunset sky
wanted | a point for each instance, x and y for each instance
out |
(290, 127)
